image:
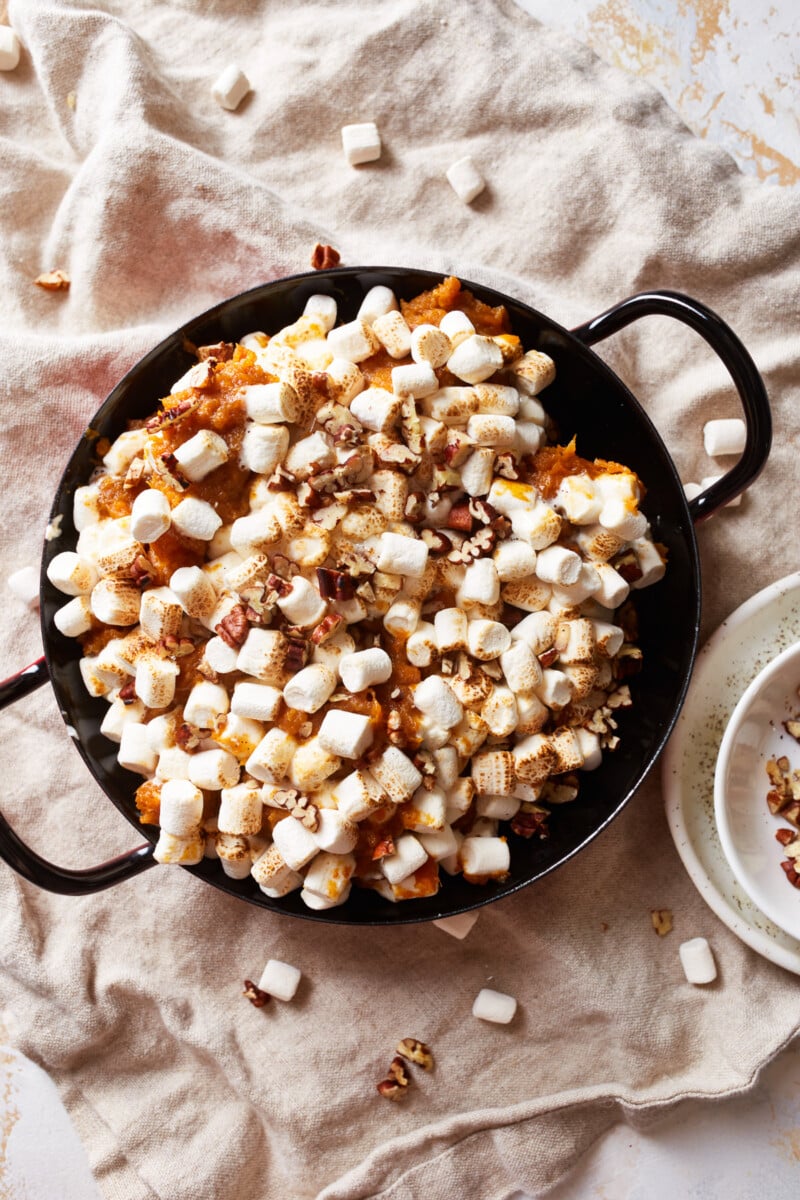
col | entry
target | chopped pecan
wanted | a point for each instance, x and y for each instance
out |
(383, 848)
(416, 1052)
(276, 584)
(505, 465)
(436, 541)
(390, 1089)
(186, 737)
(792, 727)
(135, 473)
(234, 627)
(171, 646)
(254, 994)
(324, 257)
(628, 662)
(141, 571)
(398, 1072)
(461, 518)
(482, 511)
(399, 457)
(662, 920)
(306, 813)
(335, 585)
(326, 629)
(297, 652)
(548, 657)
(784, 836)
(627, 565)
(410, 426)
(221, 351)
(53, 281)
(415, 510)
(168, 416)
(530, 824)
(791, 874)
(478, 546)
(127, 693)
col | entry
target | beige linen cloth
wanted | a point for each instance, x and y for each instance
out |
(120, 168)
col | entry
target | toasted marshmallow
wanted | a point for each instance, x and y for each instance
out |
(71, 574)
(335, 833)
(485, 856)
(214, 770)
(263, 447)
(409, 855)
(310, 688)
(533, 372)
(487, 640)
(263, 654)
(514, 560)
(74, 618)
(160, 614)
(312, 764)
(430, 345)
(240, 809)
(296, 845)
(346, 734)
(493, 772)
(481, 583)
(155, 680)
(393, 334)
(205, 704)
(185, 852)
(437, 701)
(258, 701)
(450, 625)
(323, 308)
(365, 668)
(181, 808)
(457, 325)
(396, 774)
(416, 379)
(196, 519)
(489, 429)
(354, 341)
(270, 760)
(116, 602)
(358, 795)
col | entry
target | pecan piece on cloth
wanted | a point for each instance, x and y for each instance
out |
(254, 994)
(662, 920)
(53, 281)
(417, 1052)
(324, 257)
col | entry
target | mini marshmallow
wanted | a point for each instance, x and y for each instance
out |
(421, 646)
(533, 372)
(576, 641)
(534, 759)
(509, 496)
(354, 341)
(85, 508)
(425, 811)
(116, 602)
(613, 588)
(475, 359)
(312, 764)
(557, 564)
(497, 399)
(499, 711)
(214, 770)
(196, 518)
(322, 307)
(230, 88)
(378, 301)
(578, 499)
(365, 668)
(465, 179)
(494, 1006)
(409, 855)
(205, 703)
(134, 752)
(401, 555)
(361, 142)
(335, 833)
(160, 614)
(273, 875)
(651, 564)
(528, 437)
(270, 760)
(619, 518)
(193, 591)
(124, 450)
(347, 734)
(393, 334)
(155, 680)
(725, 436)
(9, 48)
(331, 652)
(458, 926)
(416, 379)
(233, 852)
(184, 852)
(493, 772)
(118, 715)
(487, 639)
(310, 688)
(488, 429)
(263, 447)
(451, 405)
(481, 583)
(459, 796)
(697, 961)
(597, 543)
(608, 638)
(295, 843)
(239, 735)
(447, 766)
(403, 617)
(539, 630)
(280, 980)
(589, 744)
(150, 515)
(514, 560)
(450, 625)
(181, 808)
(270, 403)
(173, 763)
(358, 795)
(258, 701)
(376, 409)
(396, 774)
(554, 690)
(71, 574)
(200, 455)
(498, 808)
(262, 655)
(476, 473)
(219, 656)
(692, 490)
(485, 856)
(327, 881)
(538, 525)
(74, 618)
(240, 809)
(437, 701)
(457, 325)
(429, 345)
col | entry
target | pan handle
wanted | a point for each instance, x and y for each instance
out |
(27, 862)
(739, 365)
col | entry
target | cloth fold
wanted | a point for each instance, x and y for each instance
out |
(122, 170)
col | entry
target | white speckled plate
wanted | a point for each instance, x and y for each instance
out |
(744, 644)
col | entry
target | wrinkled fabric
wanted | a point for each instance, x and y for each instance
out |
(120, 168)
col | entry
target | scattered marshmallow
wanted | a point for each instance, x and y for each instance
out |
(724, 436)
(465, 179)
(361, 143)
(230, 88)
(494, 1006)
(458, 926)
(9, 48)
(697, 961)
(24, 584)
(280, 980)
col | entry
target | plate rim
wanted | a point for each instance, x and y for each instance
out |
(764, 944)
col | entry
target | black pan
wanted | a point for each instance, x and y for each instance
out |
(588, 399)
